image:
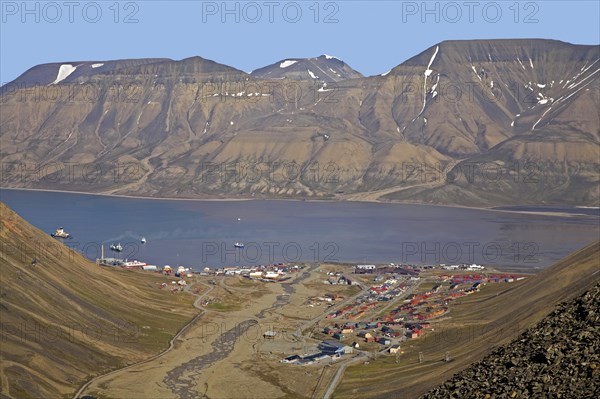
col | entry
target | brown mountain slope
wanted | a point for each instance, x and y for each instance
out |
(520, 115)
(475, 326)
(64, 318)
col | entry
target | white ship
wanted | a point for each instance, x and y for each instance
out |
(116, 247)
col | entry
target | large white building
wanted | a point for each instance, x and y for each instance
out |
(365, 268)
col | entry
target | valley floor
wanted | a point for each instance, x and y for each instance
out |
(225, 355)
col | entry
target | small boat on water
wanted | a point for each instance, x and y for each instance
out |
(238, 245)
(143, 240)
(116, 247)
(60, 233)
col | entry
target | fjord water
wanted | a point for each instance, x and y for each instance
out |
(202, 233)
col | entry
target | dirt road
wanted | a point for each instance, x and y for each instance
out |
(182, 331)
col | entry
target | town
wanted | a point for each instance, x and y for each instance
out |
(383, 306)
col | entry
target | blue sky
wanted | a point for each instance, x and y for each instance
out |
(372, 37)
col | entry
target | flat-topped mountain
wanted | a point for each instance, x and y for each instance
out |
(74, 71)
(481, 122)
(81, 72)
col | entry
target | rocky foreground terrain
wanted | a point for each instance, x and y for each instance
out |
(558, 358)
(476, 123)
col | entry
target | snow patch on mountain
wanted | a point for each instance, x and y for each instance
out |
(97, 65)
(542, 117)
(475, 72)
(435, 84)
(323, 88)
(573, 86)
(63, 72)
(437, 48)
(428, 71)
(287, 63)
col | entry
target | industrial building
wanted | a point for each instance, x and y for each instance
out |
(335, 348)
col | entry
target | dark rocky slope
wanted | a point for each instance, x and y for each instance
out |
(558, 358)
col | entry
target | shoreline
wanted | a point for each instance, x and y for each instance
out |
(374, 201)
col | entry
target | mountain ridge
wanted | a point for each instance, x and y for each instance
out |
(517, 108)
(19, 79)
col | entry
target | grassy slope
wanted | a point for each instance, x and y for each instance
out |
(66, 318)
(475, 326)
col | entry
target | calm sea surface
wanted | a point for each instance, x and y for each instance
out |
(202, 233)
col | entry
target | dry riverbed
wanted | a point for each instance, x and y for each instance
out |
(224, 354)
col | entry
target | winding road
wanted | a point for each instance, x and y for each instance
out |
(180, 385)
(182, 331)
